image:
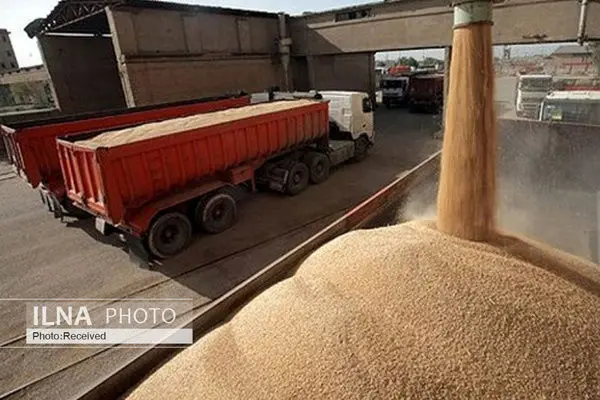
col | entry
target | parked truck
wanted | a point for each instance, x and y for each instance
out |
(426, 93)
(394, 90)
(350, 113)
(578, 107)
(155, 183)
(529, 94)
(31, 146)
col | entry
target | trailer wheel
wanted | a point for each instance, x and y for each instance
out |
(298, 178)
(169, 234)
(216, 212)
(75, 211)
(318, 166)
(361, 147)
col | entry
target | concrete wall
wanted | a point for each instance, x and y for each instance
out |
(83, 71)
(28, 74)
(169, 55)
(339, 72)
(166, 80)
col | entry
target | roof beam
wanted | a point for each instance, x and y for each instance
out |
(417, 24)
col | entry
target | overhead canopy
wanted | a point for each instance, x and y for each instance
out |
(89, 17)
(74, 16)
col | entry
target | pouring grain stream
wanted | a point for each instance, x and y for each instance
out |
(467, 190)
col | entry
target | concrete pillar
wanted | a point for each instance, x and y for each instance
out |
(372, 80)
(310, 62)
(447, 63)
(285, 43)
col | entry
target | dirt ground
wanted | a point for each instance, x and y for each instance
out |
(44, 258)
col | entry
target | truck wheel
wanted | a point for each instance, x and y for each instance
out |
(298, 178)
(74, 211)
(169, 234)
(318, 166)
(361, 147)
(216, 213)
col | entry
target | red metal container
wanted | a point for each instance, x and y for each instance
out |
(128, 184)
(31, 146)
(426, 92)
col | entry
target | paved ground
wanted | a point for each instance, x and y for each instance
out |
(44, 258)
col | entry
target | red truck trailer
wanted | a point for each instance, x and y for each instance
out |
(426, 93)
(31, 146)
(156, 182)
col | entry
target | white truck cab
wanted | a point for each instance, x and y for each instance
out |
(578, 107)
(531, 90)
(349, 112)
(394, 90)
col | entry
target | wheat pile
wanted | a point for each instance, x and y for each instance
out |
(178, 125)
(406, 312)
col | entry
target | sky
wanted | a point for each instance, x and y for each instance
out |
(16, 14)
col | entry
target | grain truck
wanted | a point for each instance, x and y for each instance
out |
(426, 93)
(530, 91)
(394, 90)
(156, 183)
(579, 107)
(31, 145)
(350, 113)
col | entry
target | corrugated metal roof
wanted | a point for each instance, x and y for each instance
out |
(572, 49)
(68, 13)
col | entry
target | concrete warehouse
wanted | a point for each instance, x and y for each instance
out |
(139, 52)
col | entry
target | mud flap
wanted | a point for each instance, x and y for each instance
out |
(137, 251)
(56, 207)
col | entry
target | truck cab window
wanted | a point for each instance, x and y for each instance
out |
(367, 107)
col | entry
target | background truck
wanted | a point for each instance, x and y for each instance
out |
(579, 107)
(157, 182)
(426, 93)
(350, 113)
(31, 146)
(394, 90)
(529, 94)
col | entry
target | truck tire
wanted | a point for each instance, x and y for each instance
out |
(361, 147)
(74, 211)
(169, 234)
(298, 178)
(318, 166)
(216, 213)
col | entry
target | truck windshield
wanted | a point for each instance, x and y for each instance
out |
(576, 112)
(366, 104)
(393, 84)
(535, 84)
